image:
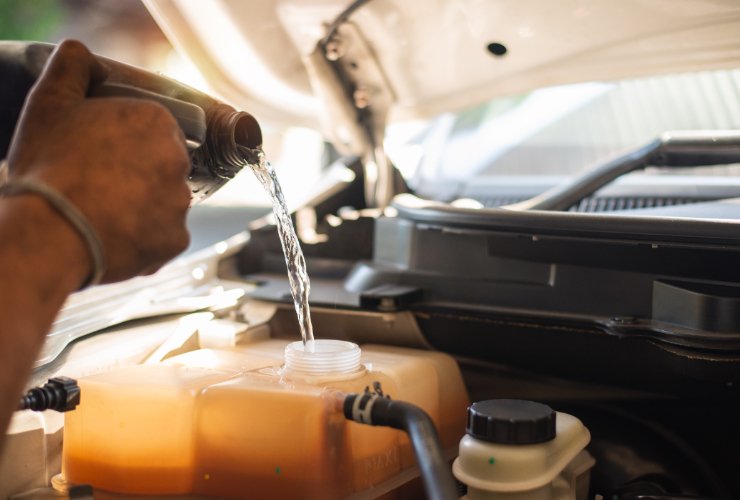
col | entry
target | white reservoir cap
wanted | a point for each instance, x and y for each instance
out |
(322, 357)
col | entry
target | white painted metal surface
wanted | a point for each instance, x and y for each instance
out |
(434, 52)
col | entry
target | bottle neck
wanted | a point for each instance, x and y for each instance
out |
(229, 135)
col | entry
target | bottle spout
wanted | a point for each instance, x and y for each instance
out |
(230, 133)
(247, 132)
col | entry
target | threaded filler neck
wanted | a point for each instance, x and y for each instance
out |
(322, 357)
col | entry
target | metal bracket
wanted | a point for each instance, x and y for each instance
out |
(355, 94)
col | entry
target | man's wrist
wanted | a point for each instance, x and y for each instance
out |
(70, 213)
(44, 246)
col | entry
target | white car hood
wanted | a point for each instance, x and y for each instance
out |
(433, 53)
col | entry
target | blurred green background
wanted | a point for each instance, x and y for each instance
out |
(30, 20)
(121, 29)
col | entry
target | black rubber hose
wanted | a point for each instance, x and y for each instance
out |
(341, 19)
(373, 409)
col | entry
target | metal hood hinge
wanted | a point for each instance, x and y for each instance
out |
(355, 95)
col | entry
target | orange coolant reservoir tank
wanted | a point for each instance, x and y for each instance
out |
(239, 423)
(135, 433)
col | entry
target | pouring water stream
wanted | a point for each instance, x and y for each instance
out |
(296, 263)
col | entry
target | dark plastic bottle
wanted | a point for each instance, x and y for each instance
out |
(221, 139)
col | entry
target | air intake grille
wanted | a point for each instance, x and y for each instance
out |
(500, 201)
(606, 203)
(616, 203)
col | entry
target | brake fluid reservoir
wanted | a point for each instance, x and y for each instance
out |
(237, 423)
(523, 450)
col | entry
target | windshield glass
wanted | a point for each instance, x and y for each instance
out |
(557, 132)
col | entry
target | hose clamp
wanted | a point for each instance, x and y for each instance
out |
(362, 408)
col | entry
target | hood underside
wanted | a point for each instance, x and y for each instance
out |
(437, 55)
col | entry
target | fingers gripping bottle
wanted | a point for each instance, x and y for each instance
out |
(220, 139)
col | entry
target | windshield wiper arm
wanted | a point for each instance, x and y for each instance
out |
(671, 149)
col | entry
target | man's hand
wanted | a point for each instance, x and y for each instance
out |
(121, 161)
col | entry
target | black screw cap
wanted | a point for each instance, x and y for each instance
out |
(511, 421)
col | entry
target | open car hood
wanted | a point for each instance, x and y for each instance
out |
(433, 56)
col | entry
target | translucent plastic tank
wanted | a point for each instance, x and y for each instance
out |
(237, 423)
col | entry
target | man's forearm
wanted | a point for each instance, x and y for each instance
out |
(42, 260)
